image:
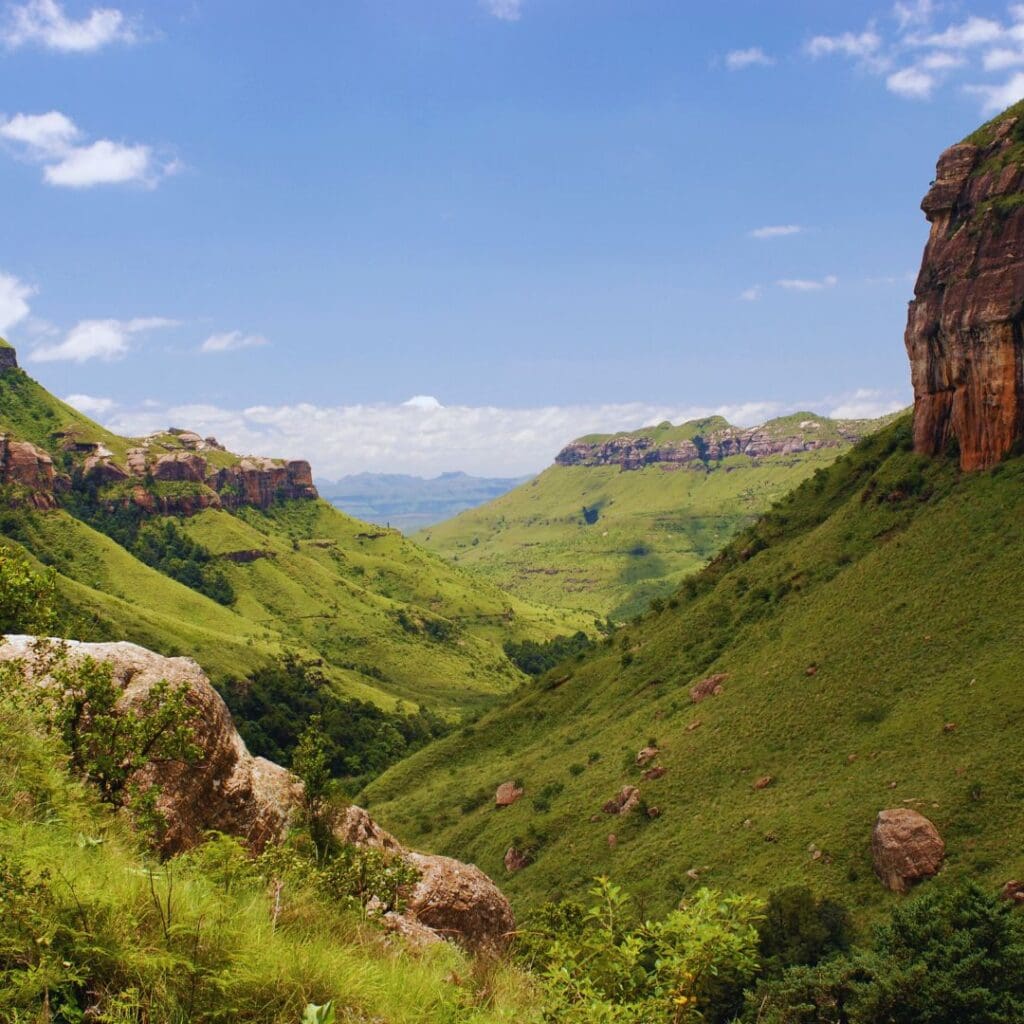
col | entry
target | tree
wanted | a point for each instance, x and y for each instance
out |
(313, 766)
(26, 597)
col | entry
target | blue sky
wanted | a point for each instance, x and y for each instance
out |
(280, 222)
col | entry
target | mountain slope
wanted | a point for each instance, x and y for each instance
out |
(621, 519)
(869, 630)
(387, 621)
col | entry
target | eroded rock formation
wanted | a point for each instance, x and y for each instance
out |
(27, 466)
(964, 328)
(906, 848)
(233, 792)
(8, 358)
(707, 447)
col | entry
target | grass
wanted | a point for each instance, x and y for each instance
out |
(872, 606)
(92, 923)
(644, 531)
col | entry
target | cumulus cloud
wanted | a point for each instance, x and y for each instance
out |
(997, 97)
(505, 10)
(776, 231)
(44, 23)
(987, 45)
(90, 405)
(803, 284)
(486, 440)
(911, 82)
(231, 341)
(14, 296)
(57, 143)
(106, 340)
(754, 56)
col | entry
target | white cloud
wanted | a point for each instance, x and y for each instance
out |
(1001, 58)
(867, 404)
(14, 296)
(911, 82)
(53, 140)
(90, 405)
(106, 340)
(505, 10)
(754, 56)
(998, 97)
(910, 14)
(232, 341)
(44, 23)
(849, 44)
(776, 231)
(973, 32)
(752, 294)
(486, 440)
(803, 284)
(428, 403)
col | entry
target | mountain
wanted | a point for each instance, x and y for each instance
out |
(620, 519)
(856, 650)
(409, 503)
(174, 543)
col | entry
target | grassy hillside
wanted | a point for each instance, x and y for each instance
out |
(388, 621)
(646, 529)
(93, 928)
(870, 629)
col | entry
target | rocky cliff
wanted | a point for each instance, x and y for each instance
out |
(30, 469)
(230, 791)
(704, 446)
(964, 329)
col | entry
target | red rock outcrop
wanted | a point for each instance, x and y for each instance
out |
(507, 794)
(708, 446)
(906, 848)
(964, 328)
(261, 482)
(180, 466)
(233, 792)
(27, 466)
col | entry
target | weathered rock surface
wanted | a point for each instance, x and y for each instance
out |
(964, 328)
(638, 449)
(8, 358)
(646, 755)
(261, 482)
(507, 794)
(30, 467)
(624, 802)
(906, 848)
(516, 860)
(233, 792)
(710, 687)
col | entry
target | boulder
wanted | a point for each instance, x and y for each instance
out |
(906, 848)
(507, 794)
(25, 465)
(654, 773)
(764, 782)
(626, 800)
(1013, 891)
(233, 792)
(515, 860)
(646, 755)
(710, 687)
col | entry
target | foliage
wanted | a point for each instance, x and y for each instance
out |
(163, 546)
(92, 929)
(535, 658)
(689, 966)
(311, 763)
(274, 706)
(801, 929)
(26, 597)
(950, 956)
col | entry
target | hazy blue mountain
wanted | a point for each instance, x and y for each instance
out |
(411, 502)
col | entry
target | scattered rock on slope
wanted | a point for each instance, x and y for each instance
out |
(507, 794)
(256, 800)
(906, 848)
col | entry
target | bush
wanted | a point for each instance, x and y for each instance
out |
(947, 957)
(537, 658)
(800, 930)
(691, 966)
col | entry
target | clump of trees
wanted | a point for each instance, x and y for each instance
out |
(535, 658)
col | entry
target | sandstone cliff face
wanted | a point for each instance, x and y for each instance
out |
(231, 791)
(27, 466)
(8, 359)
(636, 450)
(964, 329)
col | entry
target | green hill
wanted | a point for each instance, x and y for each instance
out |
(382, 620)
(868, 629)
(637, 511)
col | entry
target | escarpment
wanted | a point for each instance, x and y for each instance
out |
(228, 790)
(964, 328)
(710, 443)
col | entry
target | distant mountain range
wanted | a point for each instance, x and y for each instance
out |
(409, 503)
